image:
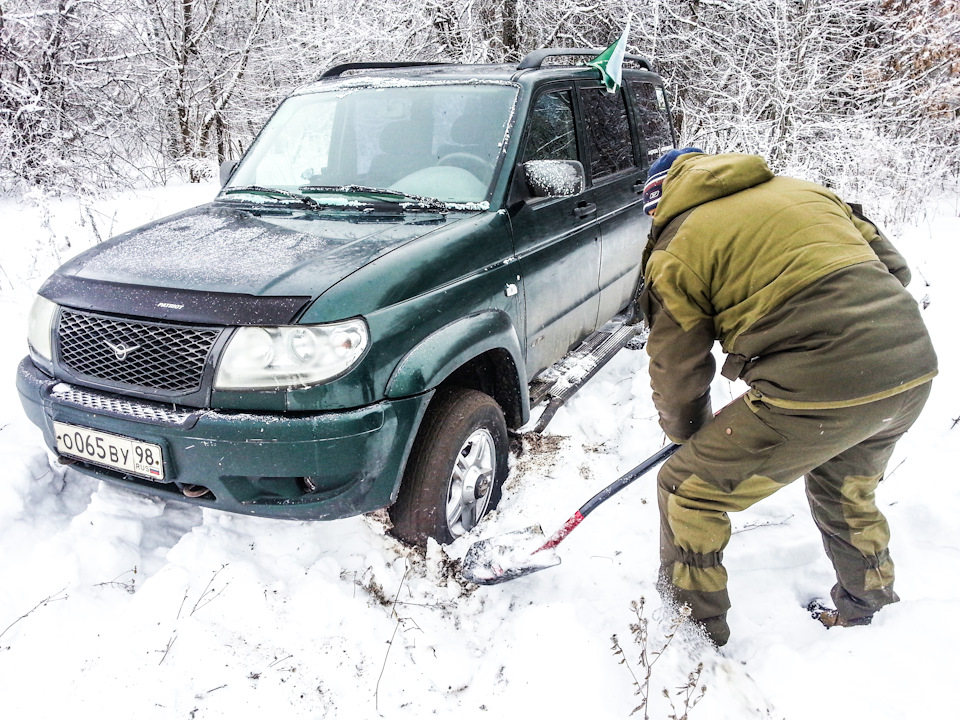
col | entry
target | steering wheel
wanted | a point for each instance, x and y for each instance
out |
(473, 164)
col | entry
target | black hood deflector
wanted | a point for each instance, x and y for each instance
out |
(159, 303)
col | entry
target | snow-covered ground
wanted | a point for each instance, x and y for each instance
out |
(113, 605)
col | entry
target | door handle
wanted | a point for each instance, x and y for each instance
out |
(638, 187)
(585, 209)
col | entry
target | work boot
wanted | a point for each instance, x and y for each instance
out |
(715, 629)
(830, 617)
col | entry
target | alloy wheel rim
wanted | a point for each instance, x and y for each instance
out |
(471, 482)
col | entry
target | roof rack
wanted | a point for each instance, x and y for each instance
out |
(535, 59)
(338, 70)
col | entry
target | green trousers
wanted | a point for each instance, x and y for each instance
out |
(748, 452)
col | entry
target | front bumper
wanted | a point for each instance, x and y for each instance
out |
(300, 466)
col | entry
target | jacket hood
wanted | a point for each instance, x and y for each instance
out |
(695, 179)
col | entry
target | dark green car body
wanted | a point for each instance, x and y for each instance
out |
(483, 293)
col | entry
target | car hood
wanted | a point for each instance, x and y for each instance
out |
(229, 265)
(215, 248)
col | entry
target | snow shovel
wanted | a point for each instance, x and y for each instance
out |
(512, 555)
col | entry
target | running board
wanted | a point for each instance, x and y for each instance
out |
(560, 381)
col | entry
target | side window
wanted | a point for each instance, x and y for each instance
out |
(653, 118)
(553, 134)
(611, 146)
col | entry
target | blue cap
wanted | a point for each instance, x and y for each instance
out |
(653, 189)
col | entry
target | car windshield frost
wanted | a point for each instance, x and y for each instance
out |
(439, 141)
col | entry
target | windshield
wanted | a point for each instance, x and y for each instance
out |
(430, 141)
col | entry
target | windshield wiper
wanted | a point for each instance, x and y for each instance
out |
(375, 193)
(274, 193)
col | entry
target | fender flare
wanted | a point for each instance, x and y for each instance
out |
(439, 354)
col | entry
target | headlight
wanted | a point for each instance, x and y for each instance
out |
(276, 357)
(40, 327)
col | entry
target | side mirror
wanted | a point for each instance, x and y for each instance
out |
(226, 170)
(554, 178)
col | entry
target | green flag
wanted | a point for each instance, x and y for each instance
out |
(610, 62)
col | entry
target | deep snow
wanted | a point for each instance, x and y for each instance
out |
(114, 605)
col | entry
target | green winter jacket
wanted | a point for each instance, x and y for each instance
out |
(806, 299)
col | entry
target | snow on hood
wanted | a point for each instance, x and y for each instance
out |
(214, 248)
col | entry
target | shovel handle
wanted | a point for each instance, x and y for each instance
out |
(627, 478)
(605, 494)
(560, 534)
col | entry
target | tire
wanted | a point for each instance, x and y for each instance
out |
(456, 468)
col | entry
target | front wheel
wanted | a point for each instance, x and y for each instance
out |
(456, 468)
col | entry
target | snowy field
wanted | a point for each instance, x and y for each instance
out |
(113, 605)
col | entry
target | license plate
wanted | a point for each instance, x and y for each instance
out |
(112, 451)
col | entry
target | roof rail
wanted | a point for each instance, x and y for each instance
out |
(338, 70)
(535, 59)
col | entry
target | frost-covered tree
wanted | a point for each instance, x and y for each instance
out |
(859, 94)
(198, 52)
(68, 95)
(825, 89)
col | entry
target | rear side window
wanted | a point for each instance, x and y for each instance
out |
(653, 117)
(553, 132)
(608, 130)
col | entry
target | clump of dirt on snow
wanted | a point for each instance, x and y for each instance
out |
(535, 452)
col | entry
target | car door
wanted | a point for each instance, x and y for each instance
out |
(557, 239)
(617, 182)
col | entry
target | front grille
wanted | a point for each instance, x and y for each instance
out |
(154, 356)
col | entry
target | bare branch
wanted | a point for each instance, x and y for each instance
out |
(43, 603)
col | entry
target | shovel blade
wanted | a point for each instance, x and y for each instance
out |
(507, 557)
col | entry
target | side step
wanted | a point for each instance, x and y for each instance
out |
(560, 381)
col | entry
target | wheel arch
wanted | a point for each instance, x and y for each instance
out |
(480, 352)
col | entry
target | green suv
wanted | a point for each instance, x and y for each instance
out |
(395, 271)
